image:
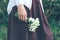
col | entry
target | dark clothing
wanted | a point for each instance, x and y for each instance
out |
(44, 32)
(18, 30)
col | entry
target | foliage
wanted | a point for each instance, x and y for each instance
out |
(3, 13)
(52, 11)
(3, 33)
(3, 20)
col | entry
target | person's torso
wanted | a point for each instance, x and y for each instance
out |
(12, 3)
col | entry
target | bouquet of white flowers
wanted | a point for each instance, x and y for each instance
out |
(33, 24)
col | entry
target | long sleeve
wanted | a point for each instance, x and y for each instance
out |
(18, 2)
(13, 3)
(27, 3)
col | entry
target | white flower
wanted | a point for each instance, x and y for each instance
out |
(37, 19)
(34, 25)
(31, 19)
(31, 30)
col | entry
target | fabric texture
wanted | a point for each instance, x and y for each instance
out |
(27, 3)
(44, 32)
(18, 30)
(13, 3)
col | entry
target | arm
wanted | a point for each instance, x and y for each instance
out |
(22, 14)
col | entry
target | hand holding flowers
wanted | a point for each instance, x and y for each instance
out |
(33, 24)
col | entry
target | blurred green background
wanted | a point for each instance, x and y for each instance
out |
(52, 11)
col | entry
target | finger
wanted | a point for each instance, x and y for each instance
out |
(21, 17)
(25, 19)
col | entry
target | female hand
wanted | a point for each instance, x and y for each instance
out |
(22, 14)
